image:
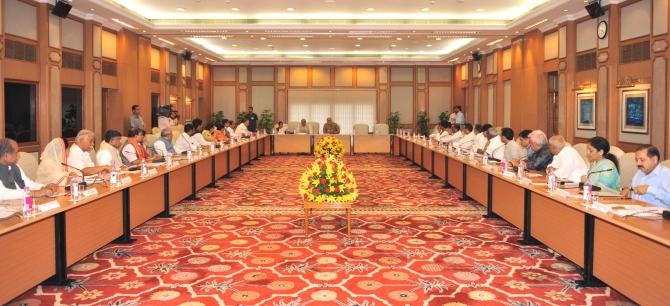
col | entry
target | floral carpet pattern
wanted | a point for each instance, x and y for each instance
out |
(438, 251)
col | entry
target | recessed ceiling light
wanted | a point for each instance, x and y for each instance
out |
(224, 38)
(235, 9)
(479, 10)
(92, 9)
(305, 46)
(565, 10)
(429, 46)
(181, 9)
(360, 38)
(263, 38)
(370, 9)
(392, 46)
(290, 9)
(234, 45)
(358, 45)
(425, 9)
(438, 38)
(331, 48)
(302, 38)
(123, 23)
(269, 45)
(399, 38)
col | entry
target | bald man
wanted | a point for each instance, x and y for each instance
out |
(541, 156)
(331, 127)
(13, 179)
(79, 158)
(567, 164)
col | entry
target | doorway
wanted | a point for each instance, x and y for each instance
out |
(552, 103)
(155, 104)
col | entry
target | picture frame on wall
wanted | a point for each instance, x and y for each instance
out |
(635, 111)
(586, 111)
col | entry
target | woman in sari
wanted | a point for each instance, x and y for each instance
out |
(604, 166)
(51, 169)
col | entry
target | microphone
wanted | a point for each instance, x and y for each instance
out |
(83, 181)
(593, 187)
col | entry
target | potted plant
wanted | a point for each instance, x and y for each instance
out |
(241, 117)
(217, 118)
(266, 121)
(393, 122)
(422, 124)
(444, 117)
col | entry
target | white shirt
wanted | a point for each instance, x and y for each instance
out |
(184, 143)
(279, 130)
(14, 194)
(453, 137)
(514, 151)
(452, 118)
(230, 131)
(160, 148)
(496, 148)
(129, 152)
(197, 137)
(78, 159)
(460, 118)
(436, 135)
(466, 142)
(105, 158)
(568, 164)
(480, 141)
(242, 130)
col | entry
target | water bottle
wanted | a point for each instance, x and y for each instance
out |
(189, 155)
(143, 169)
(168, 160)
(520, 172)
(74, 188)
(199, 151)
(551, 181)
(221, 145)
(458, 151)
(587, 192)
(212, 147)
(27, 202)
(113, 177)
(503, 163)
(472, 153)
(485, 159)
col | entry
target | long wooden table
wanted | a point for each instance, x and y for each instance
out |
(39, 249)
(302, 143)
(628, 254)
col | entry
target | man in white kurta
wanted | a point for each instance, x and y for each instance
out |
(241, 130)
(567, 163)
(495, 148)
(468, 139)
(185, 142)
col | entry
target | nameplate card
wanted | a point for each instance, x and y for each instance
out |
(126, 180)
(508, 174)
(561, 193)
(525, 181)
(89, 192)
(48, 206)
(152, 172)
(600, 207)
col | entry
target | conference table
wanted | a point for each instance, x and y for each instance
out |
(39, 249)
(304, 143)
(629, 254)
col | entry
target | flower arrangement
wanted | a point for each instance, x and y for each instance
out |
(328, 180)
(329, 146)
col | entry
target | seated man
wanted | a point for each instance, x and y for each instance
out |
(197, 136)
(468, 139)
(303, 128)
(513, 151)
(133, 151)
(279, 128)
(455, 136)
(208, 132)
(541, 157)
(242, 129)
(651, 183)
(79, 158)
(163, 145)
(14, 180)
(495, 148)
(331, 127)
(524, 142)
(230, 133)
(480, 139)
(185, 142)
(567, 163)
(437, 132)
(108, 155)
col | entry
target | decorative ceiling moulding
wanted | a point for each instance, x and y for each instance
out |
(330, 63)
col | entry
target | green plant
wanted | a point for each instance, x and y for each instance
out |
(422, 124)
(393, 122)
(266, 121)
(444, 117)
(217, 118)
(241, 117)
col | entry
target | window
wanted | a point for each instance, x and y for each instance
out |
(72, 111)
(345, 107)
(21, 111)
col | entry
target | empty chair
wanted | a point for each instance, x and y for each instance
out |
(314, 127)
(616, 151)
(292, 126)
(627, 169)
(28, 162)
(581, 149)
(381, 129)
(361, 129)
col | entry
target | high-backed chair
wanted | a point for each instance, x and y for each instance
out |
(361, 129)
(666, 163)
(175, 136)
(381, 129)
(314, 127)
(155, 130)
(627, 169)
(616, 152)
(581, 149)
(149, 140)
(28, 162)
(292, 126)
(179, 127)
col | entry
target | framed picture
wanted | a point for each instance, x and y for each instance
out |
(634, 111)
(586, 111)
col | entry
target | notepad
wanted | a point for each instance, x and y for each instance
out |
(48, 206)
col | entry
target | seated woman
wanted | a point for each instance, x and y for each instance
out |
(604, 166)
(51, 169)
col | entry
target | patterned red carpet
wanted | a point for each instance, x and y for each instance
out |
(412, 243)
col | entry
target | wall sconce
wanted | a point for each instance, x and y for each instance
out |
(627, 82)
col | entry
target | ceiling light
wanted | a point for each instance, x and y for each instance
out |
(305, 46)
(370, 9)
(429, 46)
(224, 38)
(290, 9)
(438, 38)
(235, 9)
(358, 45)
(425, 9)
(479, 10)
(234, 45)
(269, 45)
(360, 38)
(565, 10)
(302, 38)
(92, 9)
(123, 23)
(181, 9)
(392, 46)
(331, 48)
(399, 38)
(166, 41)
(263, 38)
(494, 42)
(536, 24)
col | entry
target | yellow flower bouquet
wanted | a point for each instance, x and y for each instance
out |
(328, 180)
(329, 146)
